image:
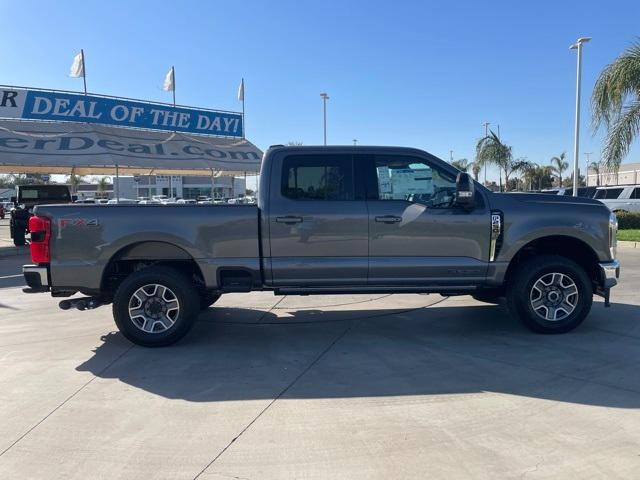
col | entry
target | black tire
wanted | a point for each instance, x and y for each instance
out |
(18, 237)
(522, 295)
(207, 299)
(162, 332)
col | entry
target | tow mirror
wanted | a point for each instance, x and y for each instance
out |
(465, 191)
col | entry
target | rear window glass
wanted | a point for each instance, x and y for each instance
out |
(608, 193)
(50, 192)
(318, 177)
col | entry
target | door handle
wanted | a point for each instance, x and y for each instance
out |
(289, 219)
(389, 219)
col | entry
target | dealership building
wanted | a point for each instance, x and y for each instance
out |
(179, 186)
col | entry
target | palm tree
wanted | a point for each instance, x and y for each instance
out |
(615, 103)
(103, 184)
(491, 151)
(461, 164)
(595, 166)
(75, 180)
(559, 165)
(476, 168)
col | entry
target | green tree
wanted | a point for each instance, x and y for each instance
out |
(75, 180)
(490, 150)
(462, 164)
(559, 165)
(595, 166)
(615, 103)
(475, 169)
(103, 184)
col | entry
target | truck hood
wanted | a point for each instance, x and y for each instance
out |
(545, 198)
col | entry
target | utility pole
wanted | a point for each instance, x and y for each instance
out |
(450, 156)
(325, 97)
(355, 141)
(576, 139)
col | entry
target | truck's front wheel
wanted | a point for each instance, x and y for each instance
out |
(550, 294)
(155, 307)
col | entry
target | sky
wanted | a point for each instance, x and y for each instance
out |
(422, 74)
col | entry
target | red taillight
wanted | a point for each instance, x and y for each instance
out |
(40, 229)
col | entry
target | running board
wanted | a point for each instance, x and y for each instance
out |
(443, 289)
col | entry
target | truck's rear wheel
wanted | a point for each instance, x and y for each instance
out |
(550, 294)
(155, 306)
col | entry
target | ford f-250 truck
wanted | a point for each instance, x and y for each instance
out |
(330, 220)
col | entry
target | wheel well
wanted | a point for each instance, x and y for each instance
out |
(568, 247)
(138, 256)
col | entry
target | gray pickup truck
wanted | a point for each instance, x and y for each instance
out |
(330, 220)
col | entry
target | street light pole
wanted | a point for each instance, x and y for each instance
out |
(325, 97)
(576, 139)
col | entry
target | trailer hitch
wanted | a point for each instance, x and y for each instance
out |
(83, 303)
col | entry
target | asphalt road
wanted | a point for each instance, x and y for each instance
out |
(402, 386)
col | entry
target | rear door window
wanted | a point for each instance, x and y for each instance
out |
(318, 177)
(608, 193)
(636, 193)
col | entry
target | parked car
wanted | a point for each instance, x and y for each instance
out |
(332, 220)
(2, 211)
(27, 197)
(187, 201)
(585, 192)
(621, 198)
(122, 201)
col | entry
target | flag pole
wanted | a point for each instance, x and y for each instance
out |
(243, 118)
(84, 71)
(173, 74)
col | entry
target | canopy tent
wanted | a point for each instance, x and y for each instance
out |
(91, 149)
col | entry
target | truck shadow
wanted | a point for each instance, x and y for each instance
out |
(440, 350)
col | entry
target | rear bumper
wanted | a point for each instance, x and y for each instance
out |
(610, 272)
(36, 277)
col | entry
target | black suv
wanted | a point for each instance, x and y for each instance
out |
(27, 197)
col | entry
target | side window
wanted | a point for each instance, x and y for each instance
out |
(636, 193)
(318, 177)
(414, 180)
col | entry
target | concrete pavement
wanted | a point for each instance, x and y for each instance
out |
(401, 386)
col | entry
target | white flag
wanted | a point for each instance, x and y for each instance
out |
(169, 81)
(77, 67)
(241, 91)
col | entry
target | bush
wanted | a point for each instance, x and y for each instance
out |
(628, 220)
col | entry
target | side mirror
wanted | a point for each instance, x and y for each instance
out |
(14, 199)
(74, 198)
(465, 191)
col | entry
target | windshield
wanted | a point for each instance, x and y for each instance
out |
(44, 192)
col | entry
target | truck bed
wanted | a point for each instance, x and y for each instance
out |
(85, 237)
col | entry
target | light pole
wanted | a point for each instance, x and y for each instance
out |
(576, 139)
(355, 141)
(325, 97)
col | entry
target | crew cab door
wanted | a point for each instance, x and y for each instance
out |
(318, 223)
(417, 236)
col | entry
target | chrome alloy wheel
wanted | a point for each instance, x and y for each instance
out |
(554, 296)
(154, 308)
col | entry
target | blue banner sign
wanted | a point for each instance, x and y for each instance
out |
(30, 104)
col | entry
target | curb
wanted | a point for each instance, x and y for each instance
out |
(628, 244)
